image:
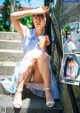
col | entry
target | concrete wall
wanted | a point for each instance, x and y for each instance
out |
(69, 12)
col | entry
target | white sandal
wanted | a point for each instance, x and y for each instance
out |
(49, 103)
(18, 103)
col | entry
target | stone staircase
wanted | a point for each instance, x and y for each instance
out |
(10, 53)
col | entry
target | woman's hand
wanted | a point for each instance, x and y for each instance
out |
(47, 40)
(41, 10)
(44, 41)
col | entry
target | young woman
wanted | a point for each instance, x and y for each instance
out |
(70, 68)
(35, 65)
(71, 45)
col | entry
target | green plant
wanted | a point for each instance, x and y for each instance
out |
(2, 28)
(6, 15)
(67, 28)
(27, 21)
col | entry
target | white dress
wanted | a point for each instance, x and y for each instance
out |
(30, 44)
(71, 45)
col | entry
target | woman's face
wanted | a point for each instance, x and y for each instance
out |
(39, 21)
(68, 33)
(71, 64)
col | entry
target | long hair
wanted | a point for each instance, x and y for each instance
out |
(47, 31)
(67, 33)
(68, 60)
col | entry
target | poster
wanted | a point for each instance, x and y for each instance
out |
(70, 67)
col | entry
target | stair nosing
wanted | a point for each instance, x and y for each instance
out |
(17, 41)
(4, 76)
(11, 51)
(8, 63)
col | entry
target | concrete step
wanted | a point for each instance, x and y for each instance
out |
(7, 67)
(30, 104)
(10, 55)
(10, 44)
(1, 78)
(10, 36)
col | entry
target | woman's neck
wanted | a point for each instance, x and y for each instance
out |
(39, 31)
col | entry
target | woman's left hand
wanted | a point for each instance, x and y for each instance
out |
(41, 10)
(47, 40)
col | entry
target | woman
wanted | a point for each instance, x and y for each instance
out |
(71, 68)
(71, 45)
(35, 66)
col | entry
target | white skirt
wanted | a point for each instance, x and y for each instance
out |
(11, 84)
(71, 46)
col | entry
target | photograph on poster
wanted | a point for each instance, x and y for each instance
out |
(70, 69)
(71, 37)
(71, 0)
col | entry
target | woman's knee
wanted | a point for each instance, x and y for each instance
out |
(43, 57)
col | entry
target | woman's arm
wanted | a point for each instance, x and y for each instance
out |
(71, 38)
(17, 15)
(70, 76)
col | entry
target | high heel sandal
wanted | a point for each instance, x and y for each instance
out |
(17, 103)
(49, 103)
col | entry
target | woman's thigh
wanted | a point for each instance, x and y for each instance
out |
(34, 74)
(30, 74)
(37, 75)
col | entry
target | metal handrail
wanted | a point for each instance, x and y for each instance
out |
(57, 23)
(54, 12)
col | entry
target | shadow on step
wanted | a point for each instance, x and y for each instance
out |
(35, 104)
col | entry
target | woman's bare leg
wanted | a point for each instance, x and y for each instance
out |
(42, 74)
(37, 75)
(25, 77)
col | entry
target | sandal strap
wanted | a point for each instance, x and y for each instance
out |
(46, 89)
(50, 102)
(18, 91)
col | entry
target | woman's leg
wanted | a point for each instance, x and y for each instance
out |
(42, 74)
(25, 77)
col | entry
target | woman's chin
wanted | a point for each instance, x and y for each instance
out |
(39, 27)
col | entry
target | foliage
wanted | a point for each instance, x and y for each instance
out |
(6, 16)
(2, 28)
(67, 28)
(27, 21)
(5, 23)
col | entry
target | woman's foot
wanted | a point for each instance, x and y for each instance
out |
(18, 99)
(49, 99)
